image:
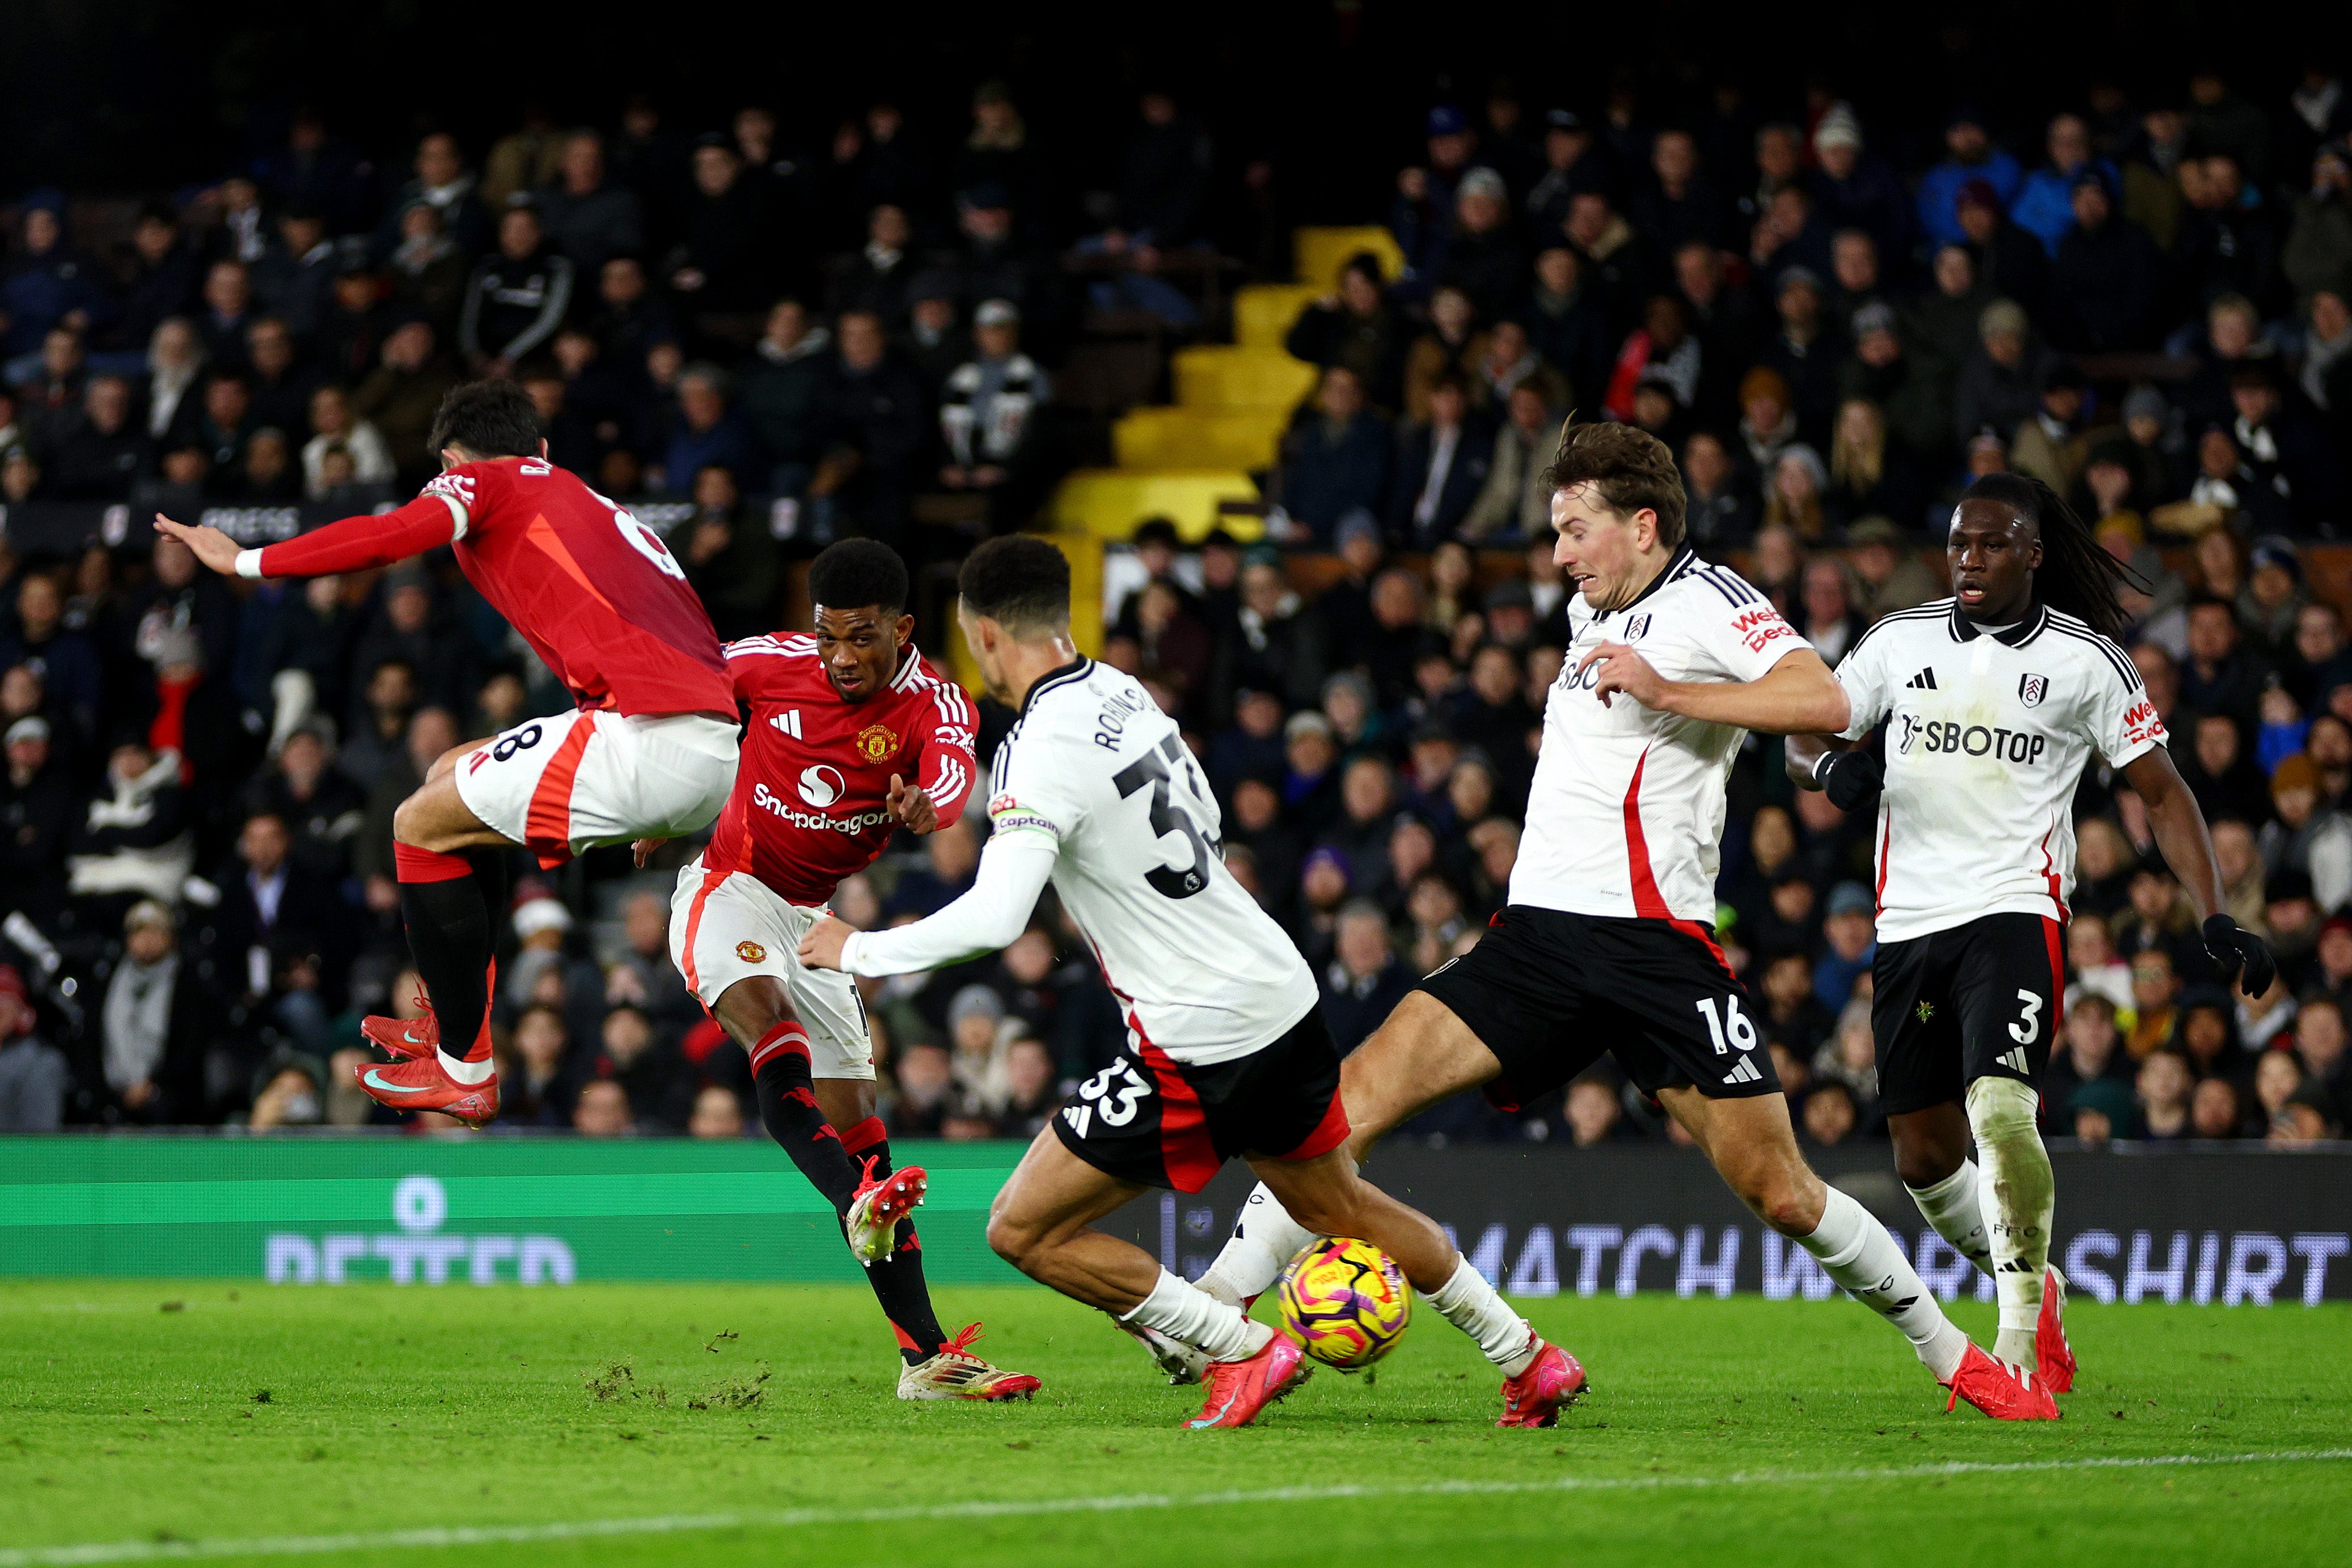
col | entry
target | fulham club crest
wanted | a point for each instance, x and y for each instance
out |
(2031, 689)
(1635, 627)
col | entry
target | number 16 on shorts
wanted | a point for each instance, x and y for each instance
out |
(1728, 1029)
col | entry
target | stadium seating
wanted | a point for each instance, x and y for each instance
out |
(1218, 377)
(1262, 312)
(1180, 438)
(1188, 460)
(1322, 252)
(1108, 502)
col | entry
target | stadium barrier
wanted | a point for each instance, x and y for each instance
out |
(2232, 1226)
(329, 1209)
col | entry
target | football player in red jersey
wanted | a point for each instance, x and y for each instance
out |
(852, 735)
(649, 752)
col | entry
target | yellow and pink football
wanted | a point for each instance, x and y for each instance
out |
(1346, 1303)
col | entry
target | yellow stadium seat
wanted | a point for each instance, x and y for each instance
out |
(1219, 377)
(1109, 503)
(1262, 312)
(1186, 461)
(1198, 437)
(1320, 253)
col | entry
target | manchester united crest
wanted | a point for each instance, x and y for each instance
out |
(2031, 689)
(750, 952)
(876, 742)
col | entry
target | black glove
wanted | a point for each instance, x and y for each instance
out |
(1849, 778)
(2231, 946)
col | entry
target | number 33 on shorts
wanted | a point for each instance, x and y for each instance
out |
(1111, 1096)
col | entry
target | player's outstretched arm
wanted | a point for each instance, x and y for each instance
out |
(2181, 834)
(2178, 826)
(1797, 696)
(354, 544)
(212, 547)
(1014, 868)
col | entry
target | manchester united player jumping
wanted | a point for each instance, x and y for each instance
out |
(649, 752)
(840, 723)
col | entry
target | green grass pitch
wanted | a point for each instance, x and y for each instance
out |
(143, 1421)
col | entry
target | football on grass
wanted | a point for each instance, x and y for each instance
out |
(1346, 1303)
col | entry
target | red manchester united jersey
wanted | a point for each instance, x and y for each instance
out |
(591, 588)
(809, 803)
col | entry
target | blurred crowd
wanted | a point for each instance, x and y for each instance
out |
(2142, 303)
(705, 317)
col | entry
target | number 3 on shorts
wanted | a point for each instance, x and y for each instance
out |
(2027, 1028)
(1733, 1023)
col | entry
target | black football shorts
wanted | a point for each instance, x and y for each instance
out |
(1550, 993)
(1156, 1121)
(1979, 1001)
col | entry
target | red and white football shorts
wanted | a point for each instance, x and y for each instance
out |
(726, 925)
(575, 780)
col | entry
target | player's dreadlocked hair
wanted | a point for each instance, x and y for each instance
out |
(2076, 576)
(850, 574)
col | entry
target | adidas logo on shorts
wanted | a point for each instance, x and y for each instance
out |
(1744, 1071)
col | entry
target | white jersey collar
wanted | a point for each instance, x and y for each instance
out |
(1061, 676)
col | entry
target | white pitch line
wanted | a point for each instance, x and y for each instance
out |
(677, 1523)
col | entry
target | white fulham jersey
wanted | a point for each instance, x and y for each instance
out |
(1987, 735)
(1625, 816)
(1200, 970)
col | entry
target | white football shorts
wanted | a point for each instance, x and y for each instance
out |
(726, 926)
(576, 781)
